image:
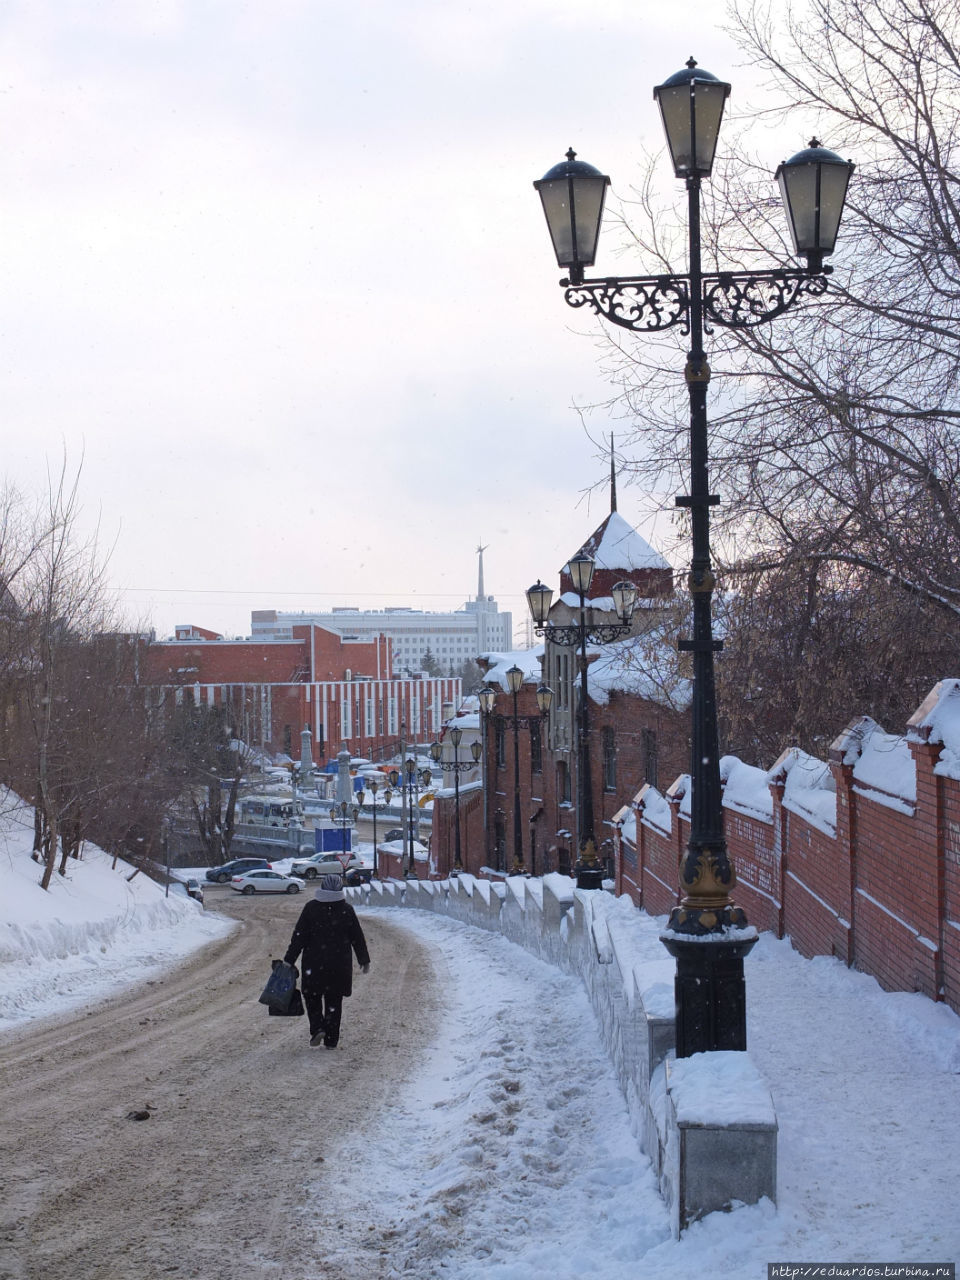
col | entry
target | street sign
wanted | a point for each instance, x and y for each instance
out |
(343, 857)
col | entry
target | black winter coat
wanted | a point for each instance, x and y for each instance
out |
(324, 935)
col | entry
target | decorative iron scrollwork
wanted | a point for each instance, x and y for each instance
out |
(594, 633)
(742, 301)
(646, 304)
(731, 299)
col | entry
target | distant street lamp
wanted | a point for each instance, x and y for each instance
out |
(408, 783)
(487, 697)
(813, 184)
(344, 816)
(456, 766)
(544, 700)
(374, 787)
(581, 568)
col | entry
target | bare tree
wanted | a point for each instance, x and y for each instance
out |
(835, 432)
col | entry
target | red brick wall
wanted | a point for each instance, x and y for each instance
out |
(443, 837)
(223, 662)
(882, 894)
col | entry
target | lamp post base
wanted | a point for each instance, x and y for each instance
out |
(710, 992)
(589, 875)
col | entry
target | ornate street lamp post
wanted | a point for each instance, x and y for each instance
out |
(456, 766)
(813, 184)
(374, 787)
(487, 698)
(589, 868)
(344, 816)
(408, 781)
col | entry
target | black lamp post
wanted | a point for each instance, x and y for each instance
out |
(813, 184)
(456, 766)
(374, 788)
(408, 781)
(487, 698)
(589, 868)
(344, 816)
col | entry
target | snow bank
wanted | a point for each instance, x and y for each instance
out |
(94, 931)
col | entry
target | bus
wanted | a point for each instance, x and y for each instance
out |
(269, 811)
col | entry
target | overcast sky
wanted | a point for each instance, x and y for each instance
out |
(275, 271)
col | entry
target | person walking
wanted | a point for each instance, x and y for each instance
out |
(325, 934)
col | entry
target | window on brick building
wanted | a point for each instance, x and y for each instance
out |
(287, 740)
(650, 757)
(501, 736)
(563, 782)
(609, 759)
(536, 748)
(499, 841)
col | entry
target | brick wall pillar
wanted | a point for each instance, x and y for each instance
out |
(846, 841)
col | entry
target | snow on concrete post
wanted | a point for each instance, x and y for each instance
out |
(344, 781)
(306, 756)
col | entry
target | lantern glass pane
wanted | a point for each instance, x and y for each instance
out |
(692, 154)
(833, 191)
(556, 208)
(581, 573)
(539, 599)
(573, 207)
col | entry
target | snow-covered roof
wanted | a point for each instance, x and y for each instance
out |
(644, 665)
(528, 660)
(617, 545)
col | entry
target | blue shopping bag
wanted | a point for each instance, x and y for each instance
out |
(278, 993)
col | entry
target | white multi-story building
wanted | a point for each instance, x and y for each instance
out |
(452, 638)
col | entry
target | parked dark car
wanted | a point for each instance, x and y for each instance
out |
(194, 889)
(225, 873)
(395, 833)
(187, 889)
(359, 875)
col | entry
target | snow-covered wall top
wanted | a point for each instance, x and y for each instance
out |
(938, 720)
(746, 789)
(883, 767)
(809, 789)
(656, 811)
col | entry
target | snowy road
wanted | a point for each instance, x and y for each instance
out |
(242, 1114)
(469, 1127)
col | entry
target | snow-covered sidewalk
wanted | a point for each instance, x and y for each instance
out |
(512, 1159)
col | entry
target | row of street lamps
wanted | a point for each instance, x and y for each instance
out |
(707, 932)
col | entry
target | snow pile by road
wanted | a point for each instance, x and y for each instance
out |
(93, 932)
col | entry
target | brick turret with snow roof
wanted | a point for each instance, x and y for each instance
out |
(619, 552)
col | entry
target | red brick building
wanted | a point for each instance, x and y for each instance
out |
(339, 688)
(637, 731)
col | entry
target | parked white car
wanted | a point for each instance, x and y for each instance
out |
(265, 881)
(322, 864)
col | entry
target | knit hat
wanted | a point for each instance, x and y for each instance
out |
(330, 890)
